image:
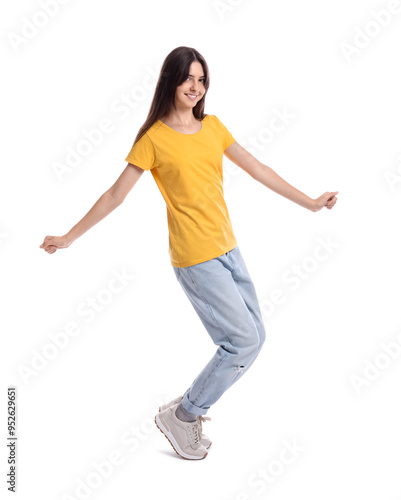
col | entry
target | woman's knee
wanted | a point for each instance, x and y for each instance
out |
(250, 342)
(261, 341)
(247, 341)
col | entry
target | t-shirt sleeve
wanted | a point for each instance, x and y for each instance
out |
(142, 153)
(227, 137)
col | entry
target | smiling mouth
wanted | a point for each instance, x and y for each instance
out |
(192, 96)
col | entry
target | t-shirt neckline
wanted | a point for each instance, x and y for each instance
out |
(182, 133)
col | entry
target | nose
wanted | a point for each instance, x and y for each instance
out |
(195, 87)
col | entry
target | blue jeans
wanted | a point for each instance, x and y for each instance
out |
(223, 295)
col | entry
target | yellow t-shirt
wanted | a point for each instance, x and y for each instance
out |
(188, 170)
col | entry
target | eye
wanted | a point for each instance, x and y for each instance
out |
(201, 79)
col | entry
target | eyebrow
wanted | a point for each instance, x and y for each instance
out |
(203, 76)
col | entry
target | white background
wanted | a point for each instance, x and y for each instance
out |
(147, 344)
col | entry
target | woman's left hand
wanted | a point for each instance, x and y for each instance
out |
(327, 200)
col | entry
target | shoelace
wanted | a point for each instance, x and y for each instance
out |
(194, 433)
(202, 418)
(195, 430)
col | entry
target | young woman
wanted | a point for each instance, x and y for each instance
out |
(183, 148)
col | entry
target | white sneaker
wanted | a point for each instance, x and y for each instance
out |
(205, 440)
(184, 437)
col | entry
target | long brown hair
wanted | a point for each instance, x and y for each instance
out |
(173, 73)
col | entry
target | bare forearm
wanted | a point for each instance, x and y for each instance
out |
(104, 205)
(269, 178)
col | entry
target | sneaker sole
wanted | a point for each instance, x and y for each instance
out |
(173, 442)
(164, 407)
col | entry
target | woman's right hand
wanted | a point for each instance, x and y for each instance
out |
(53, 243)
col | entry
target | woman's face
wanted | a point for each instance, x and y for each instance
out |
(192, 89)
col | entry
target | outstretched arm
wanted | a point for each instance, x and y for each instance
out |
(269, 178)
(109, 200)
